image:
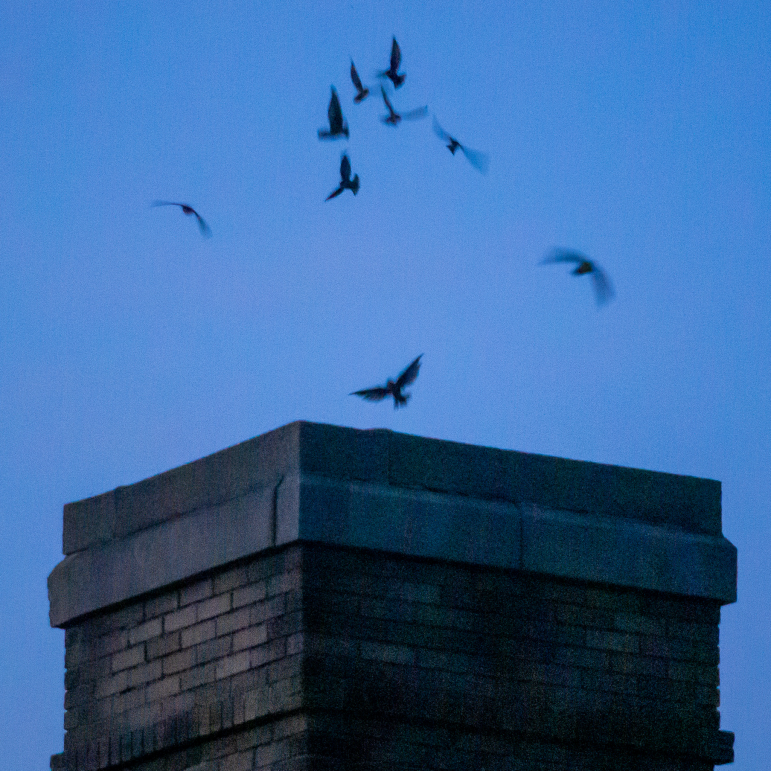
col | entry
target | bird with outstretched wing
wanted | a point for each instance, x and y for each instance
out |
(188, 210)
(603, 289)
(392, 388)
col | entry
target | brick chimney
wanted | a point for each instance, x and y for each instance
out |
(326, 598)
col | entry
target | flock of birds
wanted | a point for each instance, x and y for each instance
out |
(338, 126)
(338, 129)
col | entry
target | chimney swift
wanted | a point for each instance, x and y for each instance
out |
(337, 125)
(392, 388)
(345, 179)
(362, 92)
(391, 72)
(187, 209)
(603, 290)
(393, 118)
(479, 161)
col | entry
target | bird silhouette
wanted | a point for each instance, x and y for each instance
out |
(188, 210)
(391, 72)
(345, 179)
(603, 290)
(362, 92)
(392, 388)
(479, 161)
(393, 118)
(337, 125)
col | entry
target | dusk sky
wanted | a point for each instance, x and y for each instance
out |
(635, 132)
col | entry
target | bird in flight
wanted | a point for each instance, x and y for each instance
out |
(603, 290)
(345, 179)
(337, 125)
(479, 161)
(392, 388)
(362, 92)
(391, 72)
(393, 118)
(188, 210)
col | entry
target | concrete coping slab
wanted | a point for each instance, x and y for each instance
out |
(398, 493)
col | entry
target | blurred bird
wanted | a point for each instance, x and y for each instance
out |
(345, 179)
(187, 209)
(393, 118)
(602, 287)
(337, 125)
(391, 72)
(392, 388)
(479, 161)
(362, 92)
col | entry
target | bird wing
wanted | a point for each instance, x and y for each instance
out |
(371, 394)
(441, 133)
(345, 168)
(205, 229)
(565, 255)
(409, 374)
(396, 56)
(355, 78)
(603, 289)
(480, 161)
(335, 113)
(166, 203)
(335, 193)
(420, 112)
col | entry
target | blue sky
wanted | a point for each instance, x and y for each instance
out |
(634, 132)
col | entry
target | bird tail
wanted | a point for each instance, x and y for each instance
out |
(355, 184)
(400, 400)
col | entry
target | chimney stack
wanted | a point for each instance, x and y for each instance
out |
(324, 598)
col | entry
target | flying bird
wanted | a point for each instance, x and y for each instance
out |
(362, 92)
(603, 289)
(391, 72)
(393, 118)
(392, 388)
(479, 161)
(345, 179)
(337, 125)
(188, 210)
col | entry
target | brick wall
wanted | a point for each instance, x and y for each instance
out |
(184, 664)
(350, 659)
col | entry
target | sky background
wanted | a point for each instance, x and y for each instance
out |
(636, 132)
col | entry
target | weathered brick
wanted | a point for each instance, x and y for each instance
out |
(262, 611)
(161, 604)
(395, 654)
(228, 623)
(193, 635)
(161, 646)
(231, 665)
(284, 582)
(615, 641)
(267, 652)
(114, 684)
(213, 607)
(145, 673)
(178, 619)
(248, 638)
(161, 689)
(196, 592)
(152, 628)
(176, 662)
(197, 676)
(250, 594)
(213, 649)
(230, 579)
(128, 658)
